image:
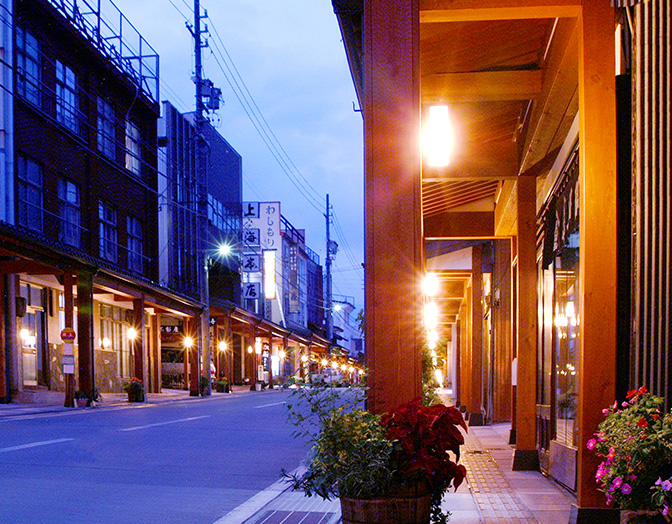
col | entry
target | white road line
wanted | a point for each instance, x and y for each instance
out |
(267, 405)
(35, 444)
(164, 423)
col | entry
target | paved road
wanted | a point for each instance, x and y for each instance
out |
(181, 462)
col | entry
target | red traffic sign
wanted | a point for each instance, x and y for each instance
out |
(68, 335)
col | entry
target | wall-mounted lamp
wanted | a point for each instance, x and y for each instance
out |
(438, 137)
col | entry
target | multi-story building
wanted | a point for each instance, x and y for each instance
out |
(79, 213)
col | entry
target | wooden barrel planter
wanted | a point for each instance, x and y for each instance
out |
(402, 507)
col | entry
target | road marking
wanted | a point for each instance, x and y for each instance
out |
(267, 405)
(35, 444)
(164, 423)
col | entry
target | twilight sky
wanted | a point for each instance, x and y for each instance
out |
(290, 56)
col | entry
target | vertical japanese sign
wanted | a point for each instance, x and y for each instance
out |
(261, 232)
(264, 217)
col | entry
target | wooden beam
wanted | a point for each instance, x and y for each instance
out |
(31, 267)
(481, 86)
(439, 11)
(490, 161)
(459, 224)
(552, 112)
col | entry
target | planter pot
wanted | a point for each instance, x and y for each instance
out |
(642, 517)
(257, 386)
(136, 397)
(404, 507)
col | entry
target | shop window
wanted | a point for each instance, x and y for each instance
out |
(113, 337)
(106, 135)
(28, 67)
(133, 152)
(67, 110)
(29, 205)
(70, 216)
(107, 217)
(134, 244)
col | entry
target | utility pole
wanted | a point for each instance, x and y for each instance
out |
(202, 195)
(328, 305)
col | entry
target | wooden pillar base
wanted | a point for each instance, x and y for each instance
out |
(476, 419)
(526, 460)
(579, 515)
(512, 437)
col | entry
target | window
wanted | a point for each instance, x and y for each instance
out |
(134, 244)
(114, 337)
(28, 67)
(106, 137)
(133, 154)
(30, 211)
(70, 229)
(108, 231)
(67, 112)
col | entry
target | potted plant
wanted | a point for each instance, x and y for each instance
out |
(635, 444)
(222, 385)
(81, 398)
(385, 469)
(135, 390)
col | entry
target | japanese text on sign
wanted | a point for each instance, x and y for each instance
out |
(267, 221)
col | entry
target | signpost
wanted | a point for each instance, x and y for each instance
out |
(68, 336)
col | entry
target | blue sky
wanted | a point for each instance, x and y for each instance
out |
(290, 56)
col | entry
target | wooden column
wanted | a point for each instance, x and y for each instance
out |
(4, 316)
(526, 456)
(186, 327)
(194, 372)
(85, 331)
(476, 416)
(465, 352)
(502, 331)
(598, 239)
(139, 343)
(393, 206)
(156, 353)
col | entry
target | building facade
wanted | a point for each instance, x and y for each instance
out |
(545, 227)
(80, 204)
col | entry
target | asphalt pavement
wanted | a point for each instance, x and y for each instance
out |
(172, 459)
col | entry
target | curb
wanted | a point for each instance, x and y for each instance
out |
(255, 504)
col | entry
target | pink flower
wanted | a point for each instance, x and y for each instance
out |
(626, 489)
(591, 443)
(666, 485)
(617, 482)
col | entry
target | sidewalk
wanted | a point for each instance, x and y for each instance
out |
(493, 495)
(53, 403)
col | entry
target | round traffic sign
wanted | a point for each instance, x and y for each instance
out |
(68, 335)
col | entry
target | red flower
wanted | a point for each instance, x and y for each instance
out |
(642, 423)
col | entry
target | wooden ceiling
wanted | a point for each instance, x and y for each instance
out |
(487, 72)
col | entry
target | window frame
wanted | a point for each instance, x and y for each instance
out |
(30, 194)
(107, 231)
(70, 214)
(133, 156)
(28, 67)
(134, 244)
(105, 129)
(67, 97)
